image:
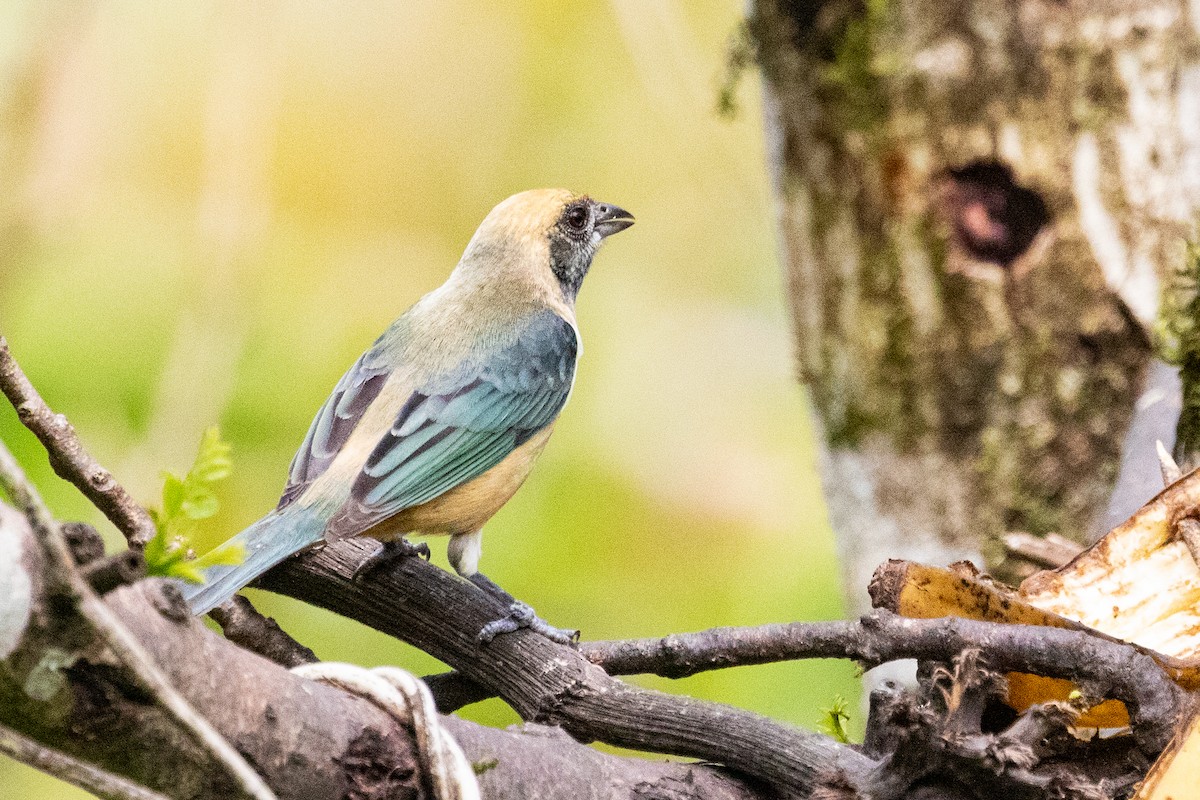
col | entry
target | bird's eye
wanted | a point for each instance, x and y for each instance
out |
(577, 218)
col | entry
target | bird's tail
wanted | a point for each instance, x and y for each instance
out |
(252, 552)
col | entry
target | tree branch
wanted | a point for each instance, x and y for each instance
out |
(551, 683)
(70, 460)
(554, 684)
(72, 770)
(816, 752)
(1043, 552)
(539, 761)
(65, 583)
(243, 625)
(307, 739)
(1110, 667)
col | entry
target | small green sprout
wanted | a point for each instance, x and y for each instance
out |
(185, 502)
(834, 719)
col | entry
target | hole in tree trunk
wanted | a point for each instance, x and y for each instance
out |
(992, 217)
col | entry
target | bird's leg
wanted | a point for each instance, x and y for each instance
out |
(520, 615)
(464, 551)
(389, 552)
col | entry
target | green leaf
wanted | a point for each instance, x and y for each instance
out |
(226, 555)
(200, 504)
(172, 494)
(213, 472)
(212, 462)
(186, 501)
(835, 718)
(187, 571)
(156, 548)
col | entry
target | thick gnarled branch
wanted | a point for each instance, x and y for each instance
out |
(1110, 668)
(305, 739)
(550, 683)
(70, 594)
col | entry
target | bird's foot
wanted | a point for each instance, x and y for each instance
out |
(388, 553)
(521, 615)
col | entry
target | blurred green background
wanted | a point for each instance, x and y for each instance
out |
(209, 210)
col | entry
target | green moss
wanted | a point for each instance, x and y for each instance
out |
(847, 428)
(487, 765)
(857, 68)
(884, 385)
(1104, 95)
(842, 51)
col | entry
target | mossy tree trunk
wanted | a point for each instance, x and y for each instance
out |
(978, 203)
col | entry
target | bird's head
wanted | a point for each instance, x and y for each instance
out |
(552, 228)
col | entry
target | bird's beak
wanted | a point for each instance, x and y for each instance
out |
(610, 219)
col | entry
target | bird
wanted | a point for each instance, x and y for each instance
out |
(436, 426)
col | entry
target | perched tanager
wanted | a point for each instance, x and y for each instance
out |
(436, 426)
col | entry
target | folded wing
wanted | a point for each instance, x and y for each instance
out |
(458, 426)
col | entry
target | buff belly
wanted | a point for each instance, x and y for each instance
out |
(465, 508)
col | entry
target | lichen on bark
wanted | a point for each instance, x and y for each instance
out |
(972, 251)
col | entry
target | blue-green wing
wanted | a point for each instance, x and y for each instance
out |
(334, 423)
(461, 425)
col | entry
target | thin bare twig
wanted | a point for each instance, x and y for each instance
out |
(80, 773)
(878, 637)
(1108, 666)
(246, 627)
(453, 690)
(70, 460)
(64, 580)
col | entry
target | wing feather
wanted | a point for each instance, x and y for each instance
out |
(461, 425)
(332, 426)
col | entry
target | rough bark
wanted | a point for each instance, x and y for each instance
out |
(925, 737)
(546, 682)
(60, 689)
(977, 204)
(537, 762)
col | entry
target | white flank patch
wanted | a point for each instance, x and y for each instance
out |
(464, 551)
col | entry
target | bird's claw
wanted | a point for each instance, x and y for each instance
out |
(389, 552)
(521, 615)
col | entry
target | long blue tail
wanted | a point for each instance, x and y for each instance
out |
(264, 544)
